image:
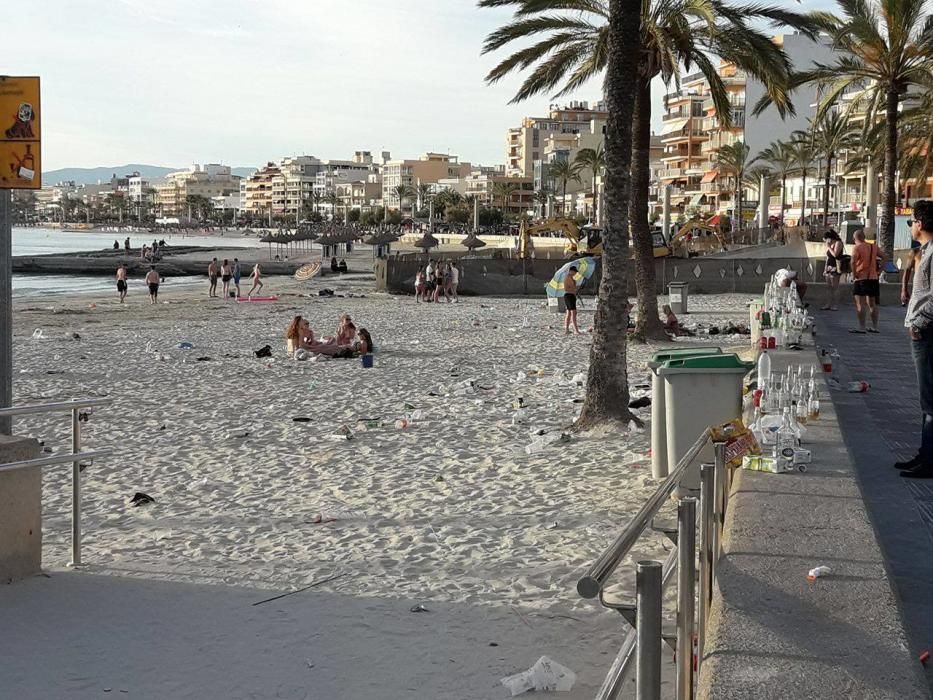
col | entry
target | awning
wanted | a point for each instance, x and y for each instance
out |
(695, 199)
(673, 126)
(710, 176)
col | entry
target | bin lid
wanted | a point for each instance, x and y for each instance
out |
(702, 363)
(662, 356)
(677, 284)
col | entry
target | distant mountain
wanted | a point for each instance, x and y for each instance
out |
(91, 176)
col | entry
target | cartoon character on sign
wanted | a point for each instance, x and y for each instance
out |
(22, 127)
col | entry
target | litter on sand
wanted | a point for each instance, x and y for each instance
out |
(545, 675)
(141, 499)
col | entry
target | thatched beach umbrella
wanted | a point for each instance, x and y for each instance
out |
(426, 242)
(472, 242)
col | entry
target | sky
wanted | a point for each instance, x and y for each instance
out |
(242, 82)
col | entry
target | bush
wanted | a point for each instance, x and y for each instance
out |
(353, 216)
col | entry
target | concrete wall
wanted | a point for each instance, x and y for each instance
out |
(20, 511)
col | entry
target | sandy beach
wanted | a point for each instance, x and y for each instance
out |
(448, 512)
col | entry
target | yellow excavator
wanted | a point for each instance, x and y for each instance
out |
(696, 237)
(587, 240)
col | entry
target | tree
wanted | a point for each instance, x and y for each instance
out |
(402, 192)
(353, 216)
(883, 58)
(832, 134)
(734, 158)
(424, 194)
(594, 160)
(330, 198)
(563, 171)
(674, 33)
(782, 162)
(802, 155)
(617, 50)
(502, 193)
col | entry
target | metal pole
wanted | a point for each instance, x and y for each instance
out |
(648, 630)
(706, 524)
(686, 594)
(666, 213)
(6, 308)
(715, 526)
(722, 475)
(75, 489)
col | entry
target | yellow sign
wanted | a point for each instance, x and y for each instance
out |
(20, 129)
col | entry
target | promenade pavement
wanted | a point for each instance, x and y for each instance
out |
(879, 428)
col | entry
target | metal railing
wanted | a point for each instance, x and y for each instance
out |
(651, 578)
(79, 415)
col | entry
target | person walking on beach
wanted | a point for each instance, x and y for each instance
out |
(419, 283)
(153, 280)
(919, 324)
(570, 301)
(866, 265)
(212, 276)
(225, 275)
(835, 251)
(256, 276)
(236, 276)
(454, 281)
(121, 281)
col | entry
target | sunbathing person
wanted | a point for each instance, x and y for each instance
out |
(298, 335)
(672, 325)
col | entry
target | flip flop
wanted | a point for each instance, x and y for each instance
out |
(860, 331)
(873, 330)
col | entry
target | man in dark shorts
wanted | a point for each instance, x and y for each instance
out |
(152, 280)
(236, 276)
(866, 266)
(121, 281)
(212, 272)
(225, 274)
(570, 301)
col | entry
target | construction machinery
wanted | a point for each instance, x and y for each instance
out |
(585, 240)
(696, 237)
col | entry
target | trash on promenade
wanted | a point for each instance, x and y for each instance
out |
(818, 572)
(859, 387)
(545, 675)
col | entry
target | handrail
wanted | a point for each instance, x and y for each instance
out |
(592, 582)
(55, 407)
(75, 457)
(54, 459)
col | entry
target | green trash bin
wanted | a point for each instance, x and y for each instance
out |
(659, 463)
(699, 392)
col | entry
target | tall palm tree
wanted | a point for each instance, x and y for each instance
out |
(423, 192)
(615, 49)
(674, 33)
(802, 154)
(502, 193)
(832, 134)
(564, 171)
(781, 161)
(594, 160)
(734, 158)
(543, 198)
(883, 56)
(402, 192)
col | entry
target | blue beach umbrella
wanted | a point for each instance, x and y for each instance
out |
(585, 269)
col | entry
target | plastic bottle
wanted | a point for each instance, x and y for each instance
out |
(402, 424)
(764, 369)
(801, 411)
(813, 408)
(787, 433)
(858, 387)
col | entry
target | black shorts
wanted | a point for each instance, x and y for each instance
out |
(226, 278)
(153, 288)
(867, 288)
(570, 302)
(121, 285)
(213, 279)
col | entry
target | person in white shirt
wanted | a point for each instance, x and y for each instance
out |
(784, 277)
(454, 281)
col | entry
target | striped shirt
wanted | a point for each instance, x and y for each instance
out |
(920, 311)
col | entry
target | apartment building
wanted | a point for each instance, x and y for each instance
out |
(565, 145)
(256, 190)
(49, 199)
(360, 195)
(525, 143)
(483, 186)
(207, 181)
(430, 168)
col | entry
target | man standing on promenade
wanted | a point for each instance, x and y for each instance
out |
(866, 265)
(236, 276)
(121, 281)
(919, 323)
(212, 276)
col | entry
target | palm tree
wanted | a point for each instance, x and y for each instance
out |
(674, 33)
(330, 197)
(781, 160)
(502, 193)
(734, 158)
(563, 171)
(424, 194)
(615, 48)
(402, 192)
(543, 198)
(593, 159)
(832, 134)
(802, 154)
(883, 56)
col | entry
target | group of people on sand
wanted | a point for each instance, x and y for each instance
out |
(348, 341)
(153, 280)
(228, 273)
(435, 279)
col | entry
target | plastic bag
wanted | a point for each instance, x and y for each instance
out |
(545, 675)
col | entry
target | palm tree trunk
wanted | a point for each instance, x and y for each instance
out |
(607, 393)
(829, 164)
(594, 215)
(886, 234)
(738, 200)
(783, 197)
(803, 199)
(563, 201)
(649, 324)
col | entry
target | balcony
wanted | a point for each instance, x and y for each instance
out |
(671, 174)
(709, 188)
(737, 102)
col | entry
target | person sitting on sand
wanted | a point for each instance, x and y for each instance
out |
(298, 335)
(364, 343)
(333, 265)
(342, 267)
(672, 325)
